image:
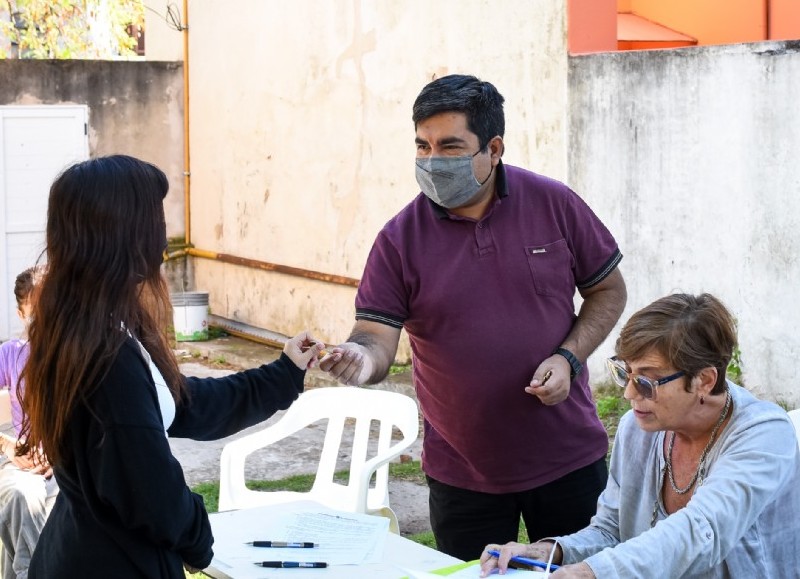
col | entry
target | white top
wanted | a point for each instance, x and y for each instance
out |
(165, 401)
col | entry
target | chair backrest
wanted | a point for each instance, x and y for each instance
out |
(794, 415)
(337, 405)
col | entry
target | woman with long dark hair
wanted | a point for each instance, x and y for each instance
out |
(103, 386)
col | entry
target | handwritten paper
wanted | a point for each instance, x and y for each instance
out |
(343, 538)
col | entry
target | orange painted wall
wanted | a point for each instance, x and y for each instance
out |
(591, 26)
(710, 21)
(784, 19)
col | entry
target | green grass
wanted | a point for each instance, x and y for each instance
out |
(407, 471)
(398, 369)
(215, 332)
(300, 483)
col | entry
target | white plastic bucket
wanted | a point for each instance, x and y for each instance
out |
(190, 316)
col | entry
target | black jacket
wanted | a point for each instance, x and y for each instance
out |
(124, 509)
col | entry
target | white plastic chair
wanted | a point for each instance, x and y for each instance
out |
(336, 404)
(794, 415)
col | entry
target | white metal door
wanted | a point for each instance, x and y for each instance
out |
(36, 144)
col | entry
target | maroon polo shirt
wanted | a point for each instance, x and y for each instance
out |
(483, 303)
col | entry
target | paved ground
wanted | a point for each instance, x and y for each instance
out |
(200, 460)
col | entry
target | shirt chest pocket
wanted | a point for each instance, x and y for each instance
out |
(551, 268)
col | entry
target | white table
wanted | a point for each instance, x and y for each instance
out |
(398, 553)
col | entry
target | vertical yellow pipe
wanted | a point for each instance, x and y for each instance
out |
(187, 172)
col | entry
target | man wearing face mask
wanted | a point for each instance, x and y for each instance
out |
(480, 269)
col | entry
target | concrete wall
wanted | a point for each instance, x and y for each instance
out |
(690, 157)
(302, 141)
(135, 108)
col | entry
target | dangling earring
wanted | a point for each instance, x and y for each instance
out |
(702, 399)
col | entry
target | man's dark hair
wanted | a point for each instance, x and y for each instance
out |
(478, 100)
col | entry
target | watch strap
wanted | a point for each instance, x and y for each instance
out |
(574, 364)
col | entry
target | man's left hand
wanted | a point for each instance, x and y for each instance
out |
(554, 389)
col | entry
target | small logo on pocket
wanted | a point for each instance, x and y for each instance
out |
(535, 250)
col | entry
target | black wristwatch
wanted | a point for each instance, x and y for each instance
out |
(574, 363)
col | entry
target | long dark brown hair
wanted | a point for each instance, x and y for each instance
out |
(105, 241)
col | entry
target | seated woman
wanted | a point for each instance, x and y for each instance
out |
(704, 478)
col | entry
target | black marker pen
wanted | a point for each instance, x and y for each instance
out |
(292, 564)
(284, 544)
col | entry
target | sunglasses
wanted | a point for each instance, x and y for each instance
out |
(645, 386)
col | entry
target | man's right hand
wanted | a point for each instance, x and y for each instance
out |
(349, 363)
(365, 357)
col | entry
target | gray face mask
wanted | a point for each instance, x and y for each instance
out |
(448, 181)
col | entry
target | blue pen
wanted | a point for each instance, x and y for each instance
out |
(526, 561)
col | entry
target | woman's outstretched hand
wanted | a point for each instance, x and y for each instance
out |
(303, 350)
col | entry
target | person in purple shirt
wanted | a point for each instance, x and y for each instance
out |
(27, 486)
(480, 269)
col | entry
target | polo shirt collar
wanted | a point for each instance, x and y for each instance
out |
(500, 184)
